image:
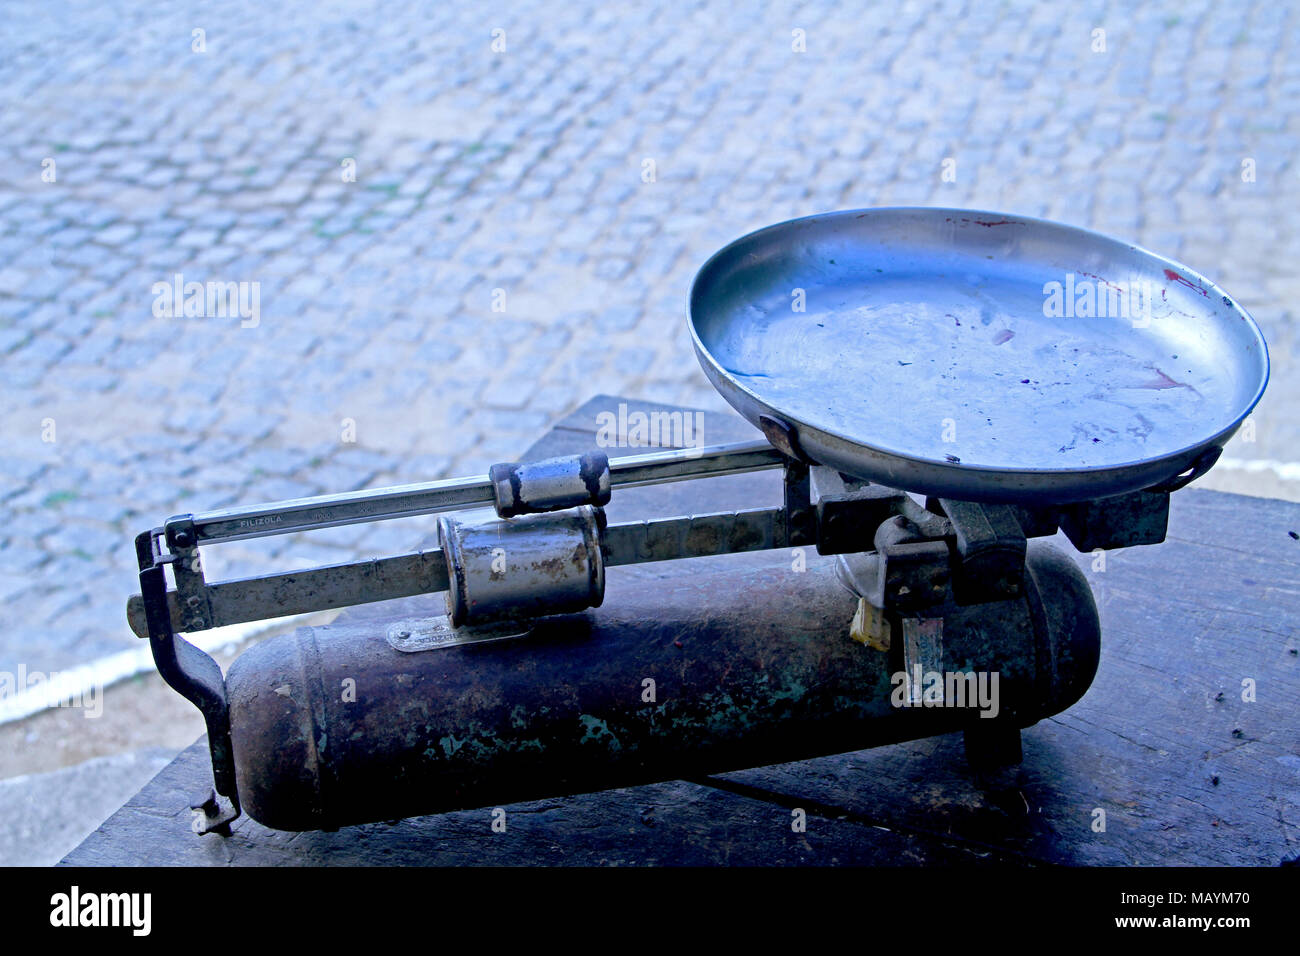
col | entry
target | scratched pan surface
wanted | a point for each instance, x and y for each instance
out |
(933, 353)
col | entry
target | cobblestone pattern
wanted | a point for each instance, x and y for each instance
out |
(522, 170)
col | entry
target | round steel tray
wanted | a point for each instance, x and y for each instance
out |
(977, 355)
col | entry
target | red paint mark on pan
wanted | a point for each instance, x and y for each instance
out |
(1162, 381)
(1173, 276)
(1093, 275)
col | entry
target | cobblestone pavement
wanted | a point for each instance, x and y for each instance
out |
(223, 156)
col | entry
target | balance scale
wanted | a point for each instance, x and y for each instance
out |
(938, 387)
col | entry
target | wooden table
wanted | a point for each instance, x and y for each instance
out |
(1185, 770)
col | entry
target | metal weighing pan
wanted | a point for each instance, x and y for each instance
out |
(977, 355)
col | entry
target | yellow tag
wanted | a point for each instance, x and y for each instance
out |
(869, 626)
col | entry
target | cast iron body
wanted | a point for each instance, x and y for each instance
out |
(749, 667)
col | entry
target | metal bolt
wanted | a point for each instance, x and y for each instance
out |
(209, 816)
(194, 600)
(182, 539)
(205, 802)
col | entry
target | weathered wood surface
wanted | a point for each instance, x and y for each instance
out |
(1185, 770)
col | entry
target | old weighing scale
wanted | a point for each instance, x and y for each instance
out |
(938, 386)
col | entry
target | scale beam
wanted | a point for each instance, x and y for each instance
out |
(454, 494)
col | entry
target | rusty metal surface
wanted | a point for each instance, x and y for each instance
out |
(334, 726)
(550, 484)
(848, 512)
(695, 536)
(1123, 521)
(947, 582)
(915, 347)
(295, 592)
(535, 564)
